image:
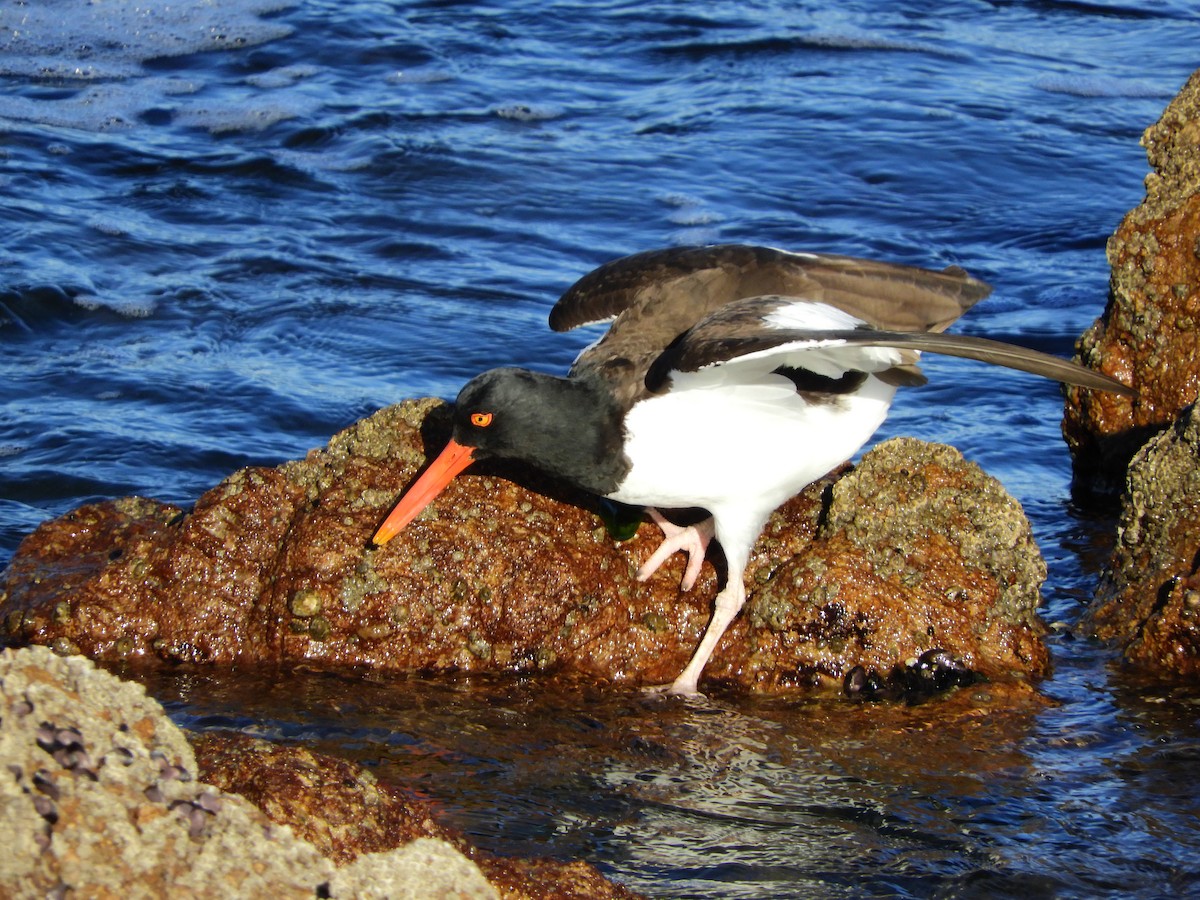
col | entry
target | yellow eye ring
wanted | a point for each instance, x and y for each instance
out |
(481, 419)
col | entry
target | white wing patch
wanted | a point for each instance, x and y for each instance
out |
(808, 315)
(831, 358)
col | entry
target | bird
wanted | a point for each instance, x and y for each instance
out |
(730, 378)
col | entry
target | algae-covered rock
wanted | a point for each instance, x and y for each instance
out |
(1148, 600)
(348, 815)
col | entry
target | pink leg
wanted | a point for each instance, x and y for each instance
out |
(729, 603)
(693, 540)
(737, 535)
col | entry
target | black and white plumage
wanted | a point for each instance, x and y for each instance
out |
(731, 377)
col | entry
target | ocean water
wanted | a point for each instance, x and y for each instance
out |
(229, 229)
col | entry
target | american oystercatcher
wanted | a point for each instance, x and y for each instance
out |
(731, 377)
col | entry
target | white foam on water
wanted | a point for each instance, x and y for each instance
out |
(866, 41)
(105, 106)
(80, 39)
(141, 308)
(248, 116)
(1100, 86)
(93, 53)
(284, 76)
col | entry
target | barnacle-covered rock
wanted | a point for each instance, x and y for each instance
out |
(918, 550)
(1148, 600)
(1149, 334)
(101, 797)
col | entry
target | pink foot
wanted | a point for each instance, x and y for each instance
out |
(674, 689)
(693, 540)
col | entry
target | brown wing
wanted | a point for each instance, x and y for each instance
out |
(657, 296)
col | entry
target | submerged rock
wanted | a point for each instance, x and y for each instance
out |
(1149, 334)
(1148, 600)
(344, 812)
(509, 571)
(933, 672)
(101, 797)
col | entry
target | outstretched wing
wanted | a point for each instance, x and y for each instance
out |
(764, 334)
(684, 284)
(656, 297)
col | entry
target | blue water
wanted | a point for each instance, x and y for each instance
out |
(227, 233)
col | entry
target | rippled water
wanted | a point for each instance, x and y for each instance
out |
(230, 229)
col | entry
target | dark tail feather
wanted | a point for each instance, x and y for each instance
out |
(988, 351)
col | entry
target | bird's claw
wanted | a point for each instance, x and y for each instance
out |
(674, 689)
(692, 539)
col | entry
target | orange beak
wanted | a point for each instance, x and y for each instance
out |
(440, 473)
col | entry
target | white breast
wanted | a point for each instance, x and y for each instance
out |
(713, 444)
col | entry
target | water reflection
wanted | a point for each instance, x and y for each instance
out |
(751, 797)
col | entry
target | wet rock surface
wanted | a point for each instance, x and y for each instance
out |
(101, 798)
(510, 572)
(918, 550)
(1148, 600)
(1149, 334)
(343, 811)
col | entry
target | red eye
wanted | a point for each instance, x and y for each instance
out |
(481, 420)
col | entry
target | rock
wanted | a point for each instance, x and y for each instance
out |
(510, 572)
(1148, 599)
(337, 807)
(919, 551)
(421, 869)
(346, 813)
(100, 797)
(1149, 334)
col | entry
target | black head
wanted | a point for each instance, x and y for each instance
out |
(565, 426)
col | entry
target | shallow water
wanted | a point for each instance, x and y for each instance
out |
(228, 230)
(736, 797)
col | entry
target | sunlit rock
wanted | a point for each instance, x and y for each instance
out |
(91, 764)
(1149, 334)
(510, 572)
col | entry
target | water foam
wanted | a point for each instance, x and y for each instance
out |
(1100, 86)
(90, 55)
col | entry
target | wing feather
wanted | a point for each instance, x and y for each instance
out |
(657, 296)
(777, 330)
(681, 285)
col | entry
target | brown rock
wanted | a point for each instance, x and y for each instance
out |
(335, 806)
(1149, 334)
(84, 552)
(511, 572)
(1148, 600)
(133, 578)
(918, 550)
(345, 812)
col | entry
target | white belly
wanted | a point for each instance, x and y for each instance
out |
(748, 446)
